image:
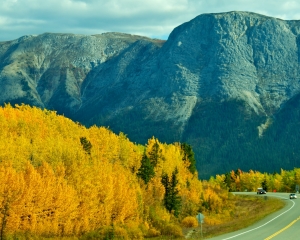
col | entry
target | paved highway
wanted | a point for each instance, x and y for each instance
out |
(281, 225)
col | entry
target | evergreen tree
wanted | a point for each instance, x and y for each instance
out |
(86, 145)
(228, 180)
(172, 200)
(146, 171)
(155, 154)
(190, 156)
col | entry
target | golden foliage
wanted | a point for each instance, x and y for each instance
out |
(50, 186)
(189, 222)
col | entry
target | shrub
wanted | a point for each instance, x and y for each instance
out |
(159, 217)
(120, 233)
(152, 232)
(105, 233)
(134, 232)
(144, 227)
(172, 230)
(189, 222)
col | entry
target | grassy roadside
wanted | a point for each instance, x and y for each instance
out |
(249, 209)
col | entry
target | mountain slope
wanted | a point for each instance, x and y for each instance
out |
(222, 82)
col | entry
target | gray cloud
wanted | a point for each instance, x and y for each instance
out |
(152, 18)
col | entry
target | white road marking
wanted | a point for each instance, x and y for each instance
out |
(263, 224)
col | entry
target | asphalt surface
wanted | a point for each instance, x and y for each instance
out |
(281, 225)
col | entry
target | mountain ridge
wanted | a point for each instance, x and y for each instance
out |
(241, 63)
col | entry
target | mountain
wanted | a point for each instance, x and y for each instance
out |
(226, 83)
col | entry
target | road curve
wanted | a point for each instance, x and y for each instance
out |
(281, 225)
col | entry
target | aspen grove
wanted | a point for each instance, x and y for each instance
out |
(59, 179)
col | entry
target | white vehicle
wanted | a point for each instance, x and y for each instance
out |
(293, 196)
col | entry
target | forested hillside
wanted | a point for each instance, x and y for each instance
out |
(226, 135)
(58, 178)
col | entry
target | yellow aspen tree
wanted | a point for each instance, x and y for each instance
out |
(11, 188)
(191, 197)
(106, 144)
(251, 180)
(104, 193)
(154, 192)
(288, 180)
(129, 155)
(94, 185)
(61, 200)
(270, 182)
(219, 180)
(278, 182)
(297, 176)
(48, 204)
(233, 184)
(126, 191)
(171, 158)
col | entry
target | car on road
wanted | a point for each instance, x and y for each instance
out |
(261, 191)
(293, 196)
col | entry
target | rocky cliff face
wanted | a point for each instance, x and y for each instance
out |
(218, 83)
(51, 70)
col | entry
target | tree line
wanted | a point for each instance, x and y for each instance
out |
(237, 181)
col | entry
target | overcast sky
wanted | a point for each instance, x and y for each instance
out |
(151, 18)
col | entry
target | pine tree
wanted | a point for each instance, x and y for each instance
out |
(228, 181)
(146, 171)
(155, 154)
(190, 156)
(86, 145)
(172, 200)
